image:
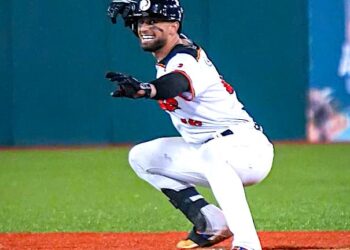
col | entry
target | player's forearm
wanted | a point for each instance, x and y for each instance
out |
(169, 85)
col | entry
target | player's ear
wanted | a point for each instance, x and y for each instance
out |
(175, 26)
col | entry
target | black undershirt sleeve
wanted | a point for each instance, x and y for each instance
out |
(170, 85)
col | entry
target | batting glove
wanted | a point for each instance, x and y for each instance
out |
(128, 86)
(119, 7)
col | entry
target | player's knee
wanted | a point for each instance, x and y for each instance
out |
(136, 159)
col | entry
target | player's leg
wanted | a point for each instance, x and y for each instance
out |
(254, 157)
(243, 158)
(167, 163)
(173, 167)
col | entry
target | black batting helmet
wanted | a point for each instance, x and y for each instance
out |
(168, 10)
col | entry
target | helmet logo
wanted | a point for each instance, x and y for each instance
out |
(145, 5)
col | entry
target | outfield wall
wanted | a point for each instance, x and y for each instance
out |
(54, 54)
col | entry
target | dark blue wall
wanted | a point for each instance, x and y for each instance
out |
(53, 57)
(6, 86)
(261, 48)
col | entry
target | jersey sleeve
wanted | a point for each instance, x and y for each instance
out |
(191, 69)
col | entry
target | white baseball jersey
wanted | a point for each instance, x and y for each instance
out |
(210, 106)
(224, 164)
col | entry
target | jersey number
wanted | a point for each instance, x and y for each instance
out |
(191, 122)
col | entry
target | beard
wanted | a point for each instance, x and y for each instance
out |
(155, 46)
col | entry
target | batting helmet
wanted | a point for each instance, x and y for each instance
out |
(167, 10)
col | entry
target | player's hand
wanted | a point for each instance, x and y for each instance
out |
(119, 7)
(128, 86)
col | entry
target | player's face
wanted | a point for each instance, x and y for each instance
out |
(153, 33)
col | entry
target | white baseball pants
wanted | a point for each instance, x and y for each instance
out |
(225, 164)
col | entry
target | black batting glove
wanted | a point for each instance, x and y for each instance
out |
(119, 7)
(128, 86)
(114, 9)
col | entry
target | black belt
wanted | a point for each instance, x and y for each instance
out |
(230, 132)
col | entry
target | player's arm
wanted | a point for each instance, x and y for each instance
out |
(170, 85)
(167, 86)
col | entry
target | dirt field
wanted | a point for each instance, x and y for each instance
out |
(165, 241)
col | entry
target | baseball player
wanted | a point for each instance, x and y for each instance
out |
(220, 147)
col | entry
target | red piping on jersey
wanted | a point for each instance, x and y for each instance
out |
(161, 65)
(190, 85)
(198, 53)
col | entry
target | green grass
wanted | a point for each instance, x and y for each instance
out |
(96, 190)
(308, 189)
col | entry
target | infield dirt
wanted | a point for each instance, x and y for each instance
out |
(166, 241)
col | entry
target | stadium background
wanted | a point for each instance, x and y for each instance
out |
(53, 57)
(54, 54)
